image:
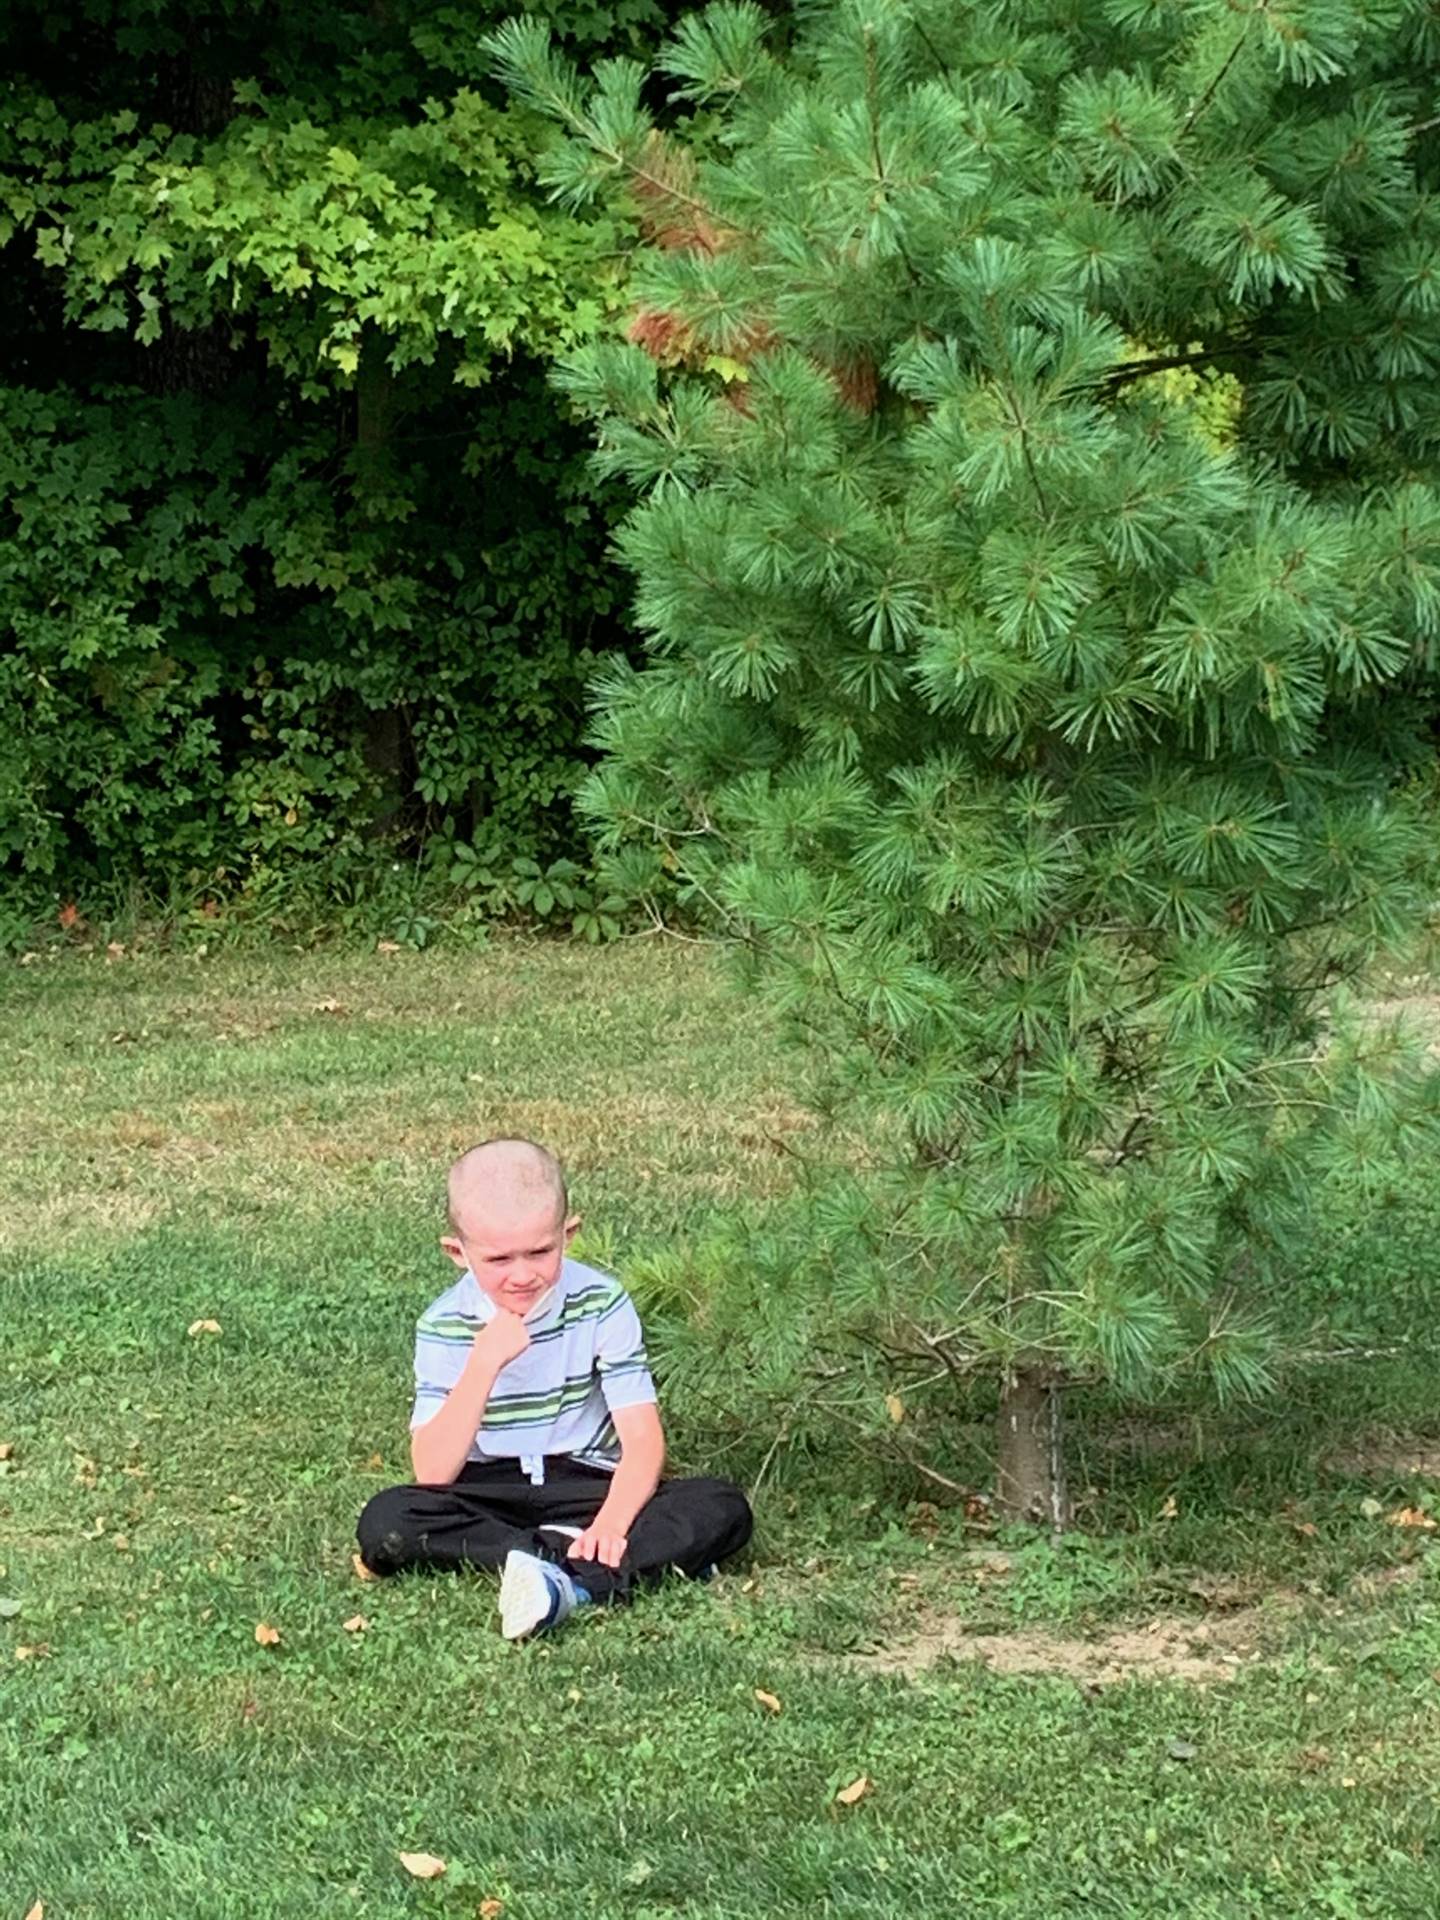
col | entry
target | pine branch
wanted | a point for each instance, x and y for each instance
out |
(560, 108)
(1129, 370)
(1210, 91)
(942, 65)
(1019, 426)
(903, 1454)
(873, 113)
(1123, 1149)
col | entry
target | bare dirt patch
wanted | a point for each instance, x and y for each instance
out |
(1168, 1647)
(1388, 1458)
(1418, 1010)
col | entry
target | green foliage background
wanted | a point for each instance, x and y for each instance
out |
(298, 552)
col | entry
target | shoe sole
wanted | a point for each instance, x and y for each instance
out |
(525, 1596)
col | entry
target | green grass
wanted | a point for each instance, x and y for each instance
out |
(260, 1140)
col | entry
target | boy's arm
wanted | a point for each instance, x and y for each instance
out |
(642, 1455)
(438, 1449)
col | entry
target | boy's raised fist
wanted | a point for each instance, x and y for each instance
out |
(504, 1336)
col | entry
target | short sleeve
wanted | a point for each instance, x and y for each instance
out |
(620, 1358)
(441, 1347)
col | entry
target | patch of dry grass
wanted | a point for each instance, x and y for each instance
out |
(152, 1088)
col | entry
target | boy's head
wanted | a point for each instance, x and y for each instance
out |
(510, 1220)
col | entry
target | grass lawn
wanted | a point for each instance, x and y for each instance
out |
(1233, 1702)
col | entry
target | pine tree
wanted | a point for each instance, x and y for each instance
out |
(1027, 726)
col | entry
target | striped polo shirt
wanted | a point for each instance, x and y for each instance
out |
(585, 1360)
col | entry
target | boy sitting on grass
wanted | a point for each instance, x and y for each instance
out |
(535, 1436)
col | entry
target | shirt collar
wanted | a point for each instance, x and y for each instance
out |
(483, 1307)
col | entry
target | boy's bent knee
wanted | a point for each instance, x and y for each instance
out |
(727, 1512)
(384, 1531)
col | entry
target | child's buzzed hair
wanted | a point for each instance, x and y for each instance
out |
(521, 1166)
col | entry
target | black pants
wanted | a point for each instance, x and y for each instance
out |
(492, 1507)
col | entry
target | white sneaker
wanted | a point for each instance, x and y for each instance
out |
(533, 1595)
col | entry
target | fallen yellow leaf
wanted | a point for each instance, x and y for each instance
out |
(40, 1651)
(7, 1449)
(202, 1326)
(357, 1623)
(491, 1909)
(895, 1407)
(847, 1796)
(362, 1572)
(1412, 1517)
(37, 1912)
(1170, 1509)
(266, 1635)
(767, 1699)
(421, 1866)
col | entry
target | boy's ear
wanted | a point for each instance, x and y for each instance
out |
(572, 1227)
(453, 1250)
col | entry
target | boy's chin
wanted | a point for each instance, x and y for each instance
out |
(524, 1306)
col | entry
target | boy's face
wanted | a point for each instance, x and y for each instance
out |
(514, 1249)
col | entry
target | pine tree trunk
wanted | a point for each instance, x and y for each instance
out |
(1031, 1463)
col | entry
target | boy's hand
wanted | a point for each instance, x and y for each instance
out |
(503, 1337)
(600, 1542)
